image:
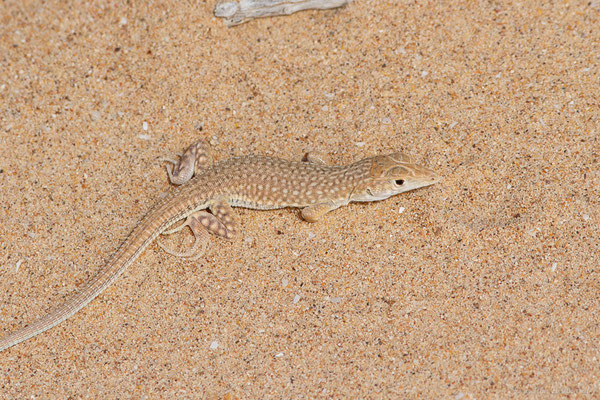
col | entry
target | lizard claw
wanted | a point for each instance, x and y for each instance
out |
(192, 253)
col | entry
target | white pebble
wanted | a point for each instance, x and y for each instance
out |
(279, 355)
(285, 282)
(586, 217)
(296, 298)
(554, 265)
(401, 210)
(214, 344)
(533, 232)
(424, 74)
(144, 137)
(145, 125)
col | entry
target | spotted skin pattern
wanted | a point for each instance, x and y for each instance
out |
(205, 194)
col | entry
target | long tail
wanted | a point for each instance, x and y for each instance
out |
(163, 214)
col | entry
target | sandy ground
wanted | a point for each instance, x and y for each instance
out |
(483, 286)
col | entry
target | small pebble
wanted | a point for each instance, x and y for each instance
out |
(214, 344)
(296, 298)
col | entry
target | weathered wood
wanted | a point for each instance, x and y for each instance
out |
(240, 11)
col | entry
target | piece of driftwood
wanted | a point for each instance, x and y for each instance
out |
(240, 11)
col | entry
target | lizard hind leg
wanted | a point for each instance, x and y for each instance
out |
(194, 252)
(225, 219)
(194, 158)
(222, 222)
(200, 238)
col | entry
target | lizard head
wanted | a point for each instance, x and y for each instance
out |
(392, 174)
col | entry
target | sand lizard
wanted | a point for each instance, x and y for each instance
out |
(256, 182)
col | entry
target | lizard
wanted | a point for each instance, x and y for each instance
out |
(203, 196)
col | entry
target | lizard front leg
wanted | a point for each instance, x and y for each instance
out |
(315, 211)
(315, 158)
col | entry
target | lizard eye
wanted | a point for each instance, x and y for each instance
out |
(399, 182)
